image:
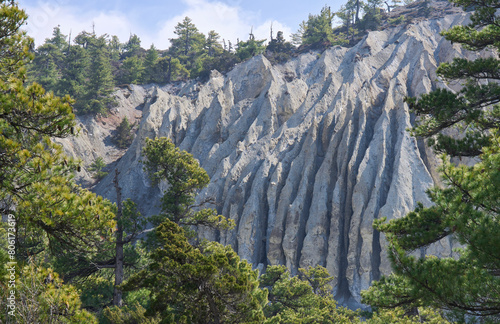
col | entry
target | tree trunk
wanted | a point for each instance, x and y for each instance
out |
(357, 11)
(117, 294)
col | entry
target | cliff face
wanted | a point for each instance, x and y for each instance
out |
(303, 156)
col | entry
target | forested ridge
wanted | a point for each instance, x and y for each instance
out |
(88, 66)
(70, 256)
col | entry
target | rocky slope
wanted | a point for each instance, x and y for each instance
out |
(303, 156)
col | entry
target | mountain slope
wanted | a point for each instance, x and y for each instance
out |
(303, 156)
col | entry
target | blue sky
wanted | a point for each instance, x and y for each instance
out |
(154, 20)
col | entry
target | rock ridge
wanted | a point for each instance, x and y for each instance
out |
(304, 155)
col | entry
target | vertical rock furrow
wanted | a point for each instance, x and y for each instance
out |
(302, 156)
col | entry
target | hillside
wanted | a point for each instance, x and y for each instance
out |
(303, 156)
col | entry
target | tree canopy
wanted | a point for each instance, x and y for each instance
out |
(466, 209)
(204, 284)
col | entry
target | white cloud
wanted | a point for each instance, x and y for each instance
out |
(230, 21)
(45, 16)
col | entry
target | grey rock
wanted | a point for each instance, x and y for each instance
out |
(303, 156)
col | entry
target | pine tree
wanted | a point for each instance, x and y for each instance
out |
(204, 284)
(42, 297)
(115, 48)
(302, 299)
(51, 211)
(188, 45)
(96, 168)
(318, 30)
(250, 48)
(279, 50)
(131, 70)
(212, 45)
(467, 209)
(100, 83)
(150, 61)
(185, 177)
(132, 47)
(124, 136)
(49, 61)
(74, 75)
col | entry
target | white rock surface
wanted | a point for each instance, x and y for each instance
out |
(303, 156)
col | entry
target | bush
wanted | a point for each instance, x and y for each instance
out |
(124, 136)
(96, 168)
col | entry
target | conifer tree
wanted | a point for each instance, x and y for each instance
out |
(467, 209)
(49, 61)
(250, 48)
(74, 75)
(131, 70)
(52, 212)
(165, 162)
(123, 136)
(302, 299)
(189, 43)
(100, 82)
(115, 48)
(150, 61)
(318, 30)
(132, 47)
(204, 284)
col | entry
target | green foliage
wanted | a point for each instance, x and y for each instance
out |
(36, 177)
(131, 70)
(96, 168)
(318, 30)
(203, 284)
(189, 43)
(48, 61)
(100, 82)
(149, 65)
(133, 47)
(372, 18)
(115, 48)
(165, 162)
(400, 316)
(397, 21)
(466, 209)
(297, 300)
(128, 315)
(123, 136)
(347, 14)
(74, 75)
(279, 50)
(250, 48)
(41, 297)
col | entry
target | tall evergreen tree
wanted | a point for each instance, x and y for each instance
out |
(212, 45)
(131, 71)
(123, 136)
(74, 75)
(185, 177)
(100, 83)
(115, 48)
(150, 61)
(318, 30)
(132, 47)
(52, 212)
(189, 43)
(467, 209)
(49, 61)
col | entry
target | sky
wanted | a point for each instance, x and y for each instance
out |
(154, 20)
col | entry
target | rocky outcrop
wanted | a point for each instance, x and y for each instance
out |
(305, 155)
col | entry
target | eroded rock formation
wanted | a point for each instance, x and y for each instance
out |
(303, 156)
